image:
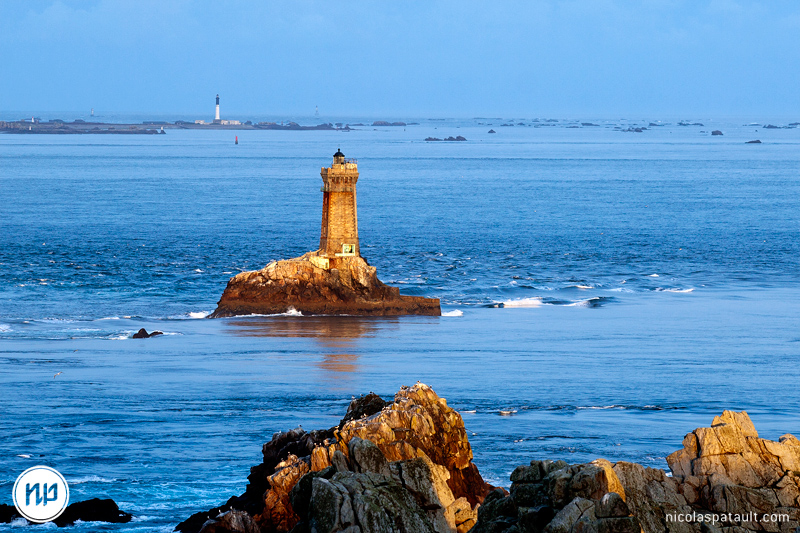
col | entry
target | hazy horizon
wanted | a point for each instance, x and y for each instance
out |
(609, 58)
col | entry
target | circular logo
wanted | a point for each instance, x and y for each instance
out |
(40, 494)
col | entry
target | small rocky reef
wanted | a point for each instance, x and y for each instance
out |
(406, 467)
(314, 285)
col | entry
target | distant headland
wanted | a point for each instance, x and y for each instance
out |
(35, 125)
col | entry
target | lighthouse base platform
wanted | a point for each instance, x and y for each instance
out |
(317, 285)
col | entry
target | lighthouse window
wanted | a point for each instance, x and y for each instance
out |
(348, 249)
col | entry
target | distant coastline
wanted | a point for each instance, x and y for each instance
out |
(34, 126)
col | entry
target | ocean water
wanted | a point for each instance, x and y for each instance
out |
(604, 293)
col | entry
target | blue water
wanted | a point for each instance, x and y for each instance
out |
(648, 281)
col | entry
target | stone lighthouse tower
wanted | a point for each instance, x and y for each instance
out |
(339, 235)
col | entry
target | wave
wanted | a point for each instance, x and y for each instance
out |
(522, 302)
(660, 289)
(653, 276)
(90, 479)
(454, 312)
(198, 314)
(4, 328)
(538, 301)
(595, 301)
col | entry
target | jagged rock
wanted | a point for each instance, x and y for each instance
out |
(94, 510)
(363, 406)
(347, 285)
(555, 497)
(727, 468)
(651, 495)
(232, 522)
(365, 503)
(417, 443)
(420, 423)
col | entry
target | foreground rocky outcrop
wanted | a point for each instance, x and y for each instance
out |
(408, 462)
(725, 480)
(406, 466)
(318, 286)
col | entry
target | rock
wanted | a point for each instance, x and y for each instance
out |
(365, 503)
(344, 285)
(94, 510)
(589, 124)
(492, 131)
(555, 497)
(651, 495)
(363, 406)
(8, 513)
(757, 141)
(231, 522)
(716, 132)
(416, 445)
(611, 505)
(432, 139)
(727, 468)
(142, 334)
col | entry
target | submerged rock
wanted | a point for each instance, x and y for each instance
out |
(757, 141)
(344, 285)
(716, 132)
(94, 510)
(142, 334)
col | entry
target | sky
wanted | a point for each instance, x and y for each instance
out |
(465, 58)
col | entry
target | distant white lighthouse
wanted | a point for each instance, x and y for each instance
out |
(216, 115)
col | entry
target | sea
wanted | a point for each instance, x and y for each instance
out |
(604, 292)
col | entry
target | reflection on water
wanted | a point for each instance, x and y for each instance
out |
(337, 336)
(329, 331)
(339, 363)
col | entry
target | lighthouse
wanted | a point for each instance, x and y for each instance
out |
(216, 115)
(339, 234)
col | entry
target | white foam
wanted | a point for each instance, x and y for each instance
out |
(24, 455)
(675, 290)
(454, 312)
(292, 312)
(524, 302)
(621, 289)
(197, 270)
(507, 413)
(653, 276)
(583, 303)
(198, 314)
(90, 479)
(4, 328)
(110, 318)
(584, 287)
(121, 336)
